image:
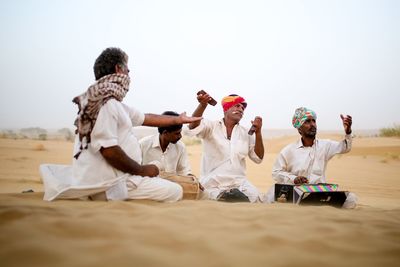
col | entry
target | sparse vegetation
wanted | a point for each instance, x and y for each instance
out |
(390, 157)
(42, 136)
(36, 133)
(390, 131)
(8, 134)
(66, 133)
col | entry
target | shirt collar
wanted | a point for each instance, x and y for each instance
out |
(156, 141)
(299, 143)
(221, 122)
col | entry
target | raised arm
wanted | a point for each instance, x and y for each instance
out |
(259, 145)
(166, 120)
(203, 100)
(343, 146)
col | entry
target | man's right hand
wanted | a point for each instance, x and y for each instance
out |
(150, 170)
(300, 180)
(118, 159)
(203, 98)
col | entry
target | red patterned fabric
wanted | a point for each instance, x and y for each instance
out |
(229, 101)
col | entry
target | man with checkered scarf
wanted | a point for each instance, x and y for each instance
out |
(107, 155)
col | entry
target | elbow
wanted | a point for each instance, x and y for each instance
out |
(106, 152)
(110, 153)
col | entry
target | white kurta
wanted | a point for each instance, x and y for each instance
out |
(223, 164)
(91, 171)
(311, 162)
(173, 160)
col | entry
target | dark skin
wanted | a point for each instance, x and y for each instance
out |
(172, 137)
(308, 132)
(169, 137)
(231, 117)
(117, 157)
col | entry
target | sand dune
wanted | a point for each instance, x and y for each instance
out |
(202, 233)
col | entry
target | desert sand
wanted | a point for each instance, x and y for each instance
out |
(202, 233)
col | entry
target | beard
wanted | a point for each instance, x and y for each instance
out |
(311, 133)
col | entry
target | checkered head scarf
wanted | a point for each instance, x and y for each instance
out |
(301, 115)
(89, 103)
(231, 100)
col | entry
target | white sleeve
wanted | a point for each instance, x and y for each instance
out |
(135, 115)
(252, 154)
(280, 173)
(341, 147)
(202, 131)
(105, 130)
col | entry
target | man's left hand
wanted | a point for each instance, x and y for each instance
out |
(257, 123)
(347, 121)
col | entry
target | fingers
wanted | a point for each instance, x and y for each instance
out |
(150, 170)
(203, 97)
(300, 180)
(346, 118)
(185, 119)
(257, 122)
(347, 121)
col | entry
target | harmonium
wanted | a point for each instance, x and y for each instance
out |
(310, 194)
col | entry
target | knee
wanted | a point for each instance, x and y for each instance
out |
(351, 201)
(174, 192)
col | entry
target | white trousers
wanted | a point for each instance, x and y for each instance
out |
(59, 184)
(245, 187)
(154, 188)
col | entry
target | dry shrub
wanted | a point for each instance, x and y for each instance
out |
(390, 131)
(39, 147)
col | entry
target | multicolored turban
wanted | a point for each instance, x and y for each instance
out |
(301, 115)
(231, 100)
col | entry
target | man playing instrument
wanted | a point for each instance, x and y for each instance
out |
(305, 161)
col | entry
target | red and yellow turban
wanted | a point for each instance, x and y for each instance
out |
(229, 101)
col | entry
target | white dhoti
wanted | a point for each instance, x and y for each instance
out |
(214, 186)
(59, 184)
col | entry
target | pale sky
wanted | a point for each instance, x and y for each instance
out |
(331, 56)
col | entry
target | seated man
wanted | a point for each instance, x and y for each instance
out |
(305, 161)
(226, 144)
(165, 149)
(107, 157)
